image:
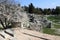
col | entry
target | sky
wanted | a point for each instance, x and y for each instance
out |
(41, 3)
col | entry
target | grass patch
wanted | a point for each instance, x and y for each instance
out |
(48, 31)
(55, 19)
(57, 26)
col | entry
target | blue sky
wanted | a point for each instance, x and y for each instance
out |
(41, 3)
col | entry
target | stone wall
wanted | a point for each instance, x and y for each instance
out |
(38, 22)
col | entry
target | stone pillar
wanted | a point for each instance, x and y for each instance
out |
(21, 25)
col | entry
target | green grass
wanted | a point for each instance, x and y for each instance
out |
(57, 26)
(55, 19)
(48, 31)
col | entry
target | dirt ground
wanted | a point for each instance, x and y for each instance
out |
(24, 34)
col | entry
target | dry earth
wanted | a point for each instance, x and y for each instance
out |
(24, 34)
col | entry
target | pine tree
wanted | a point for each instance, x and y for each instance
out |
(31, 8)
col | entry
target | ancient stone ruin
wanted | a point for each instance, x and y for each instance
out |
(15, 16)
(38, 22)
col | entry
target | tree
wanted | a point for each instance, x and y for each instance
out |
(26, 8)
(31, 8)
(53, 11)
(41, 10)
(37, 11)
(47, 11)
(57, 10)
